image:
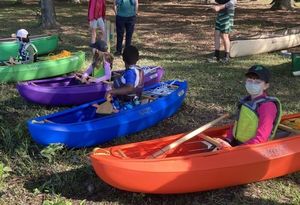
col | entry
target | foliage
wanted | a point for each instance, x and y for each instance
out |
(4, 173)
(51, 151)
(57, 201)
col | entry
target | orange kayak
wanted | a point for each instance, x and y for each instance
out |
(193, 166)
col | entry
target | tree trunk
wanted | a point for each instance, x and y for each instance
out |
(283, 4)
(48, 14)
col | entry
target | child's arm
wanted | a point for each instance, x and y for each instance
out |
(31, 53)
(107, 73)
(218, 8)
(88, 71)
(115, 7)
(127, 89)
(136, 7)
(230, 4)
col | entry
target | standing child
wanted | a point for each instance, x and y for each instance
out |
(27, 51)
(126, 12)
(96, 17)
(224, 24)
(101, 60)
(258, 114)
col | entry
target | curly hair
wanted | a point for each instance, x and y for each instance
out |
(130, 55)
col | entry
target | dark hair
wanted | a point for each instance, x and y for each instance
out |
(130, 55)
(221, 1)
(25, 40)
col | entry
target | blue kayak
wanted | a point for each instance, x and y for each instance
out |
(81, 126)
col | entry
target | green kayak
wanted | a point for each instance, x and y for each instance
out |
(42, 69)
(44, 44)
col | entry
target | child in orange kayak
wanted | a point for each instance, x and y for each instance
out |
(94, 71)
(258, 114)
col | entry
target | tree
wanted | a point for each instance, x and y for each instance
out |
(48, 14)
(20, 1)
(283, 4)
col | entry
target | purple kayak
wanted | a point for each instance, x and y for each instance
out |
(62, 91)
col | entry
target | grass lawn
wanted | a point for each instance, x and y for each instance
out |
(177, 36)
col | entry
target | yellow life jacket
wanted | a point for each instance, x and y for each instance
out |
(246, 125)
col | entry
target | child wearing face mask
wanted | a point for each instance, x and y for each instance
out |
(258, 114)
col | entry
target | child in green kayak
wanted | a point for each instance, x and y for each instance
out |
(27, 51)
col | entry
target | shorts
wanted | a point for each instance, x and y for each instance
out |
(224, 22)
(99, 23)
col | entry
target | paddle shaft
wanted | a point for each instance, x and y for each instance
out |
(211, 140)
(187, 137)
(289, 129)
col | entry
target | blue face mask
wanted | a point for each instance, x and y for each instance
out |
(254, 88)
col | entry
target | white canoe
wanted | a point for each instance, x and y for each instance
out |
(278, 40)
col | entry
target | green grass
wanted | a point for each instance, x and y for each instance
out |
(170, 35)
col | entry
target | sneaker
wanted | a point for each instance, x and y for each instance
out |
(213, 60)
(224, 60)
(117, 53)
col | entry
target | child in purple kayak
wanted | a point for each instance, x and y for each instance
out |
(94, 72)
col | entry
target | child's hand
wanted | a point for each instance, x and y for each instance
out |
(84, 80)
(11, 60)
(95, 105)
(223, 143)
(108, 96)
(218, 8)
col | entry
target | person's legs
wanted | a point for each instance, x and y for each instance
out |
(93, 27)
(120, 25)
(226, 42)
(129, 25)
(227, 25)
(101, 26)
(217, 39)
(217, 44)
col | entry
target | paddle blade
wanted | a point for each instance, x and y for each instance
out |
(105, 108)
